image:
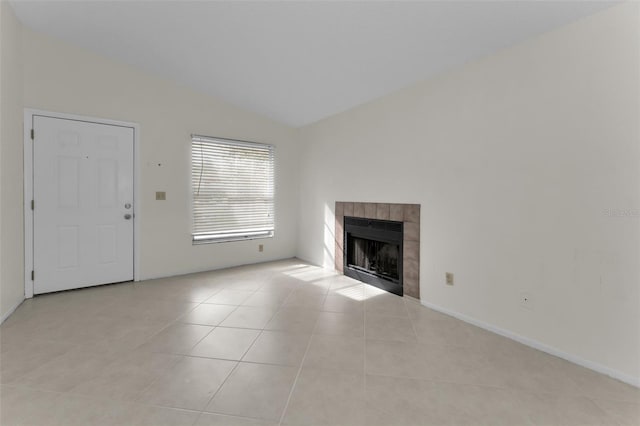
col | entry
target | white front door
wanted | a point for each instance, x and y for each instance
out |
(83, 204)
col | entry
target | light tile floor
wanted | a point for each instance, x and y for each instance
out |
(282, 343)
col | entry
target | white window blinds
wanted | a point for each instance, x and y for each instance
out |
(233, 189)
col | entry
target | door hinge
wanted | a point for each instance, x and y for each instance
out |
(33, 205)
(33, 134)
(33, 275)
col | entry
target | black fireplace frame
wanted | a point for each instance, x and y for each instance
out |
(386, 231)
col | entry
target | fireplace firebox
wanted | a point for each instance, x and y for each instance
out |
(373, 252)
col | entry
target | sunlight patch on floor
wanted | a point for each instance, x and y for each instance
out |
(356, 293)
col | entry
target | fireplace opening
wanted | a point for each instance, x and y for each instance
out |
(373, 252)
(374, 256)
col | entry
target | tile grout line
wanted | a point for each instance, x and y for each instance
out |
(219, 387)
(295, 381)
(183, 356)
(413, 326)
(236, 361)
(235, 367)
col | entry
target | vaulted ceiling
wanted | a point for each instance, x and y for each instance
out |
(297, 62)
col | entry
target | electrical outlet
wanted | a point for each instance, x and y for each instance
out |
(260, 247)
(449, 278)
(161, 195)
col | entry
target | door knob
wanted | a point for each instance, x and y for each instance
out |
(127, 216)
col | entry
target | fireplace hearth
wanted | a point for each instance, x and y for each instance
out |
(373, 252)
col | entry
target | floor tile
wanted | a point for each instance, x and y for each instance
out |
(417, 311)
(340, 324)
(76, 330)
(207, 314)
(58, 409)
(18, 361)
(326, 397)
(349, 303)
(298, 299)
(177, 339)
(226, 343)
(190, 384)
(398, 329)
(524, 368)
(313, 290)
(255, 390)
(625, 413)
(444, 331)
(23, 406)
(336, 353)
(379, 302)
(278, 347)
(149, 354)
(598, 386)
(195, 293)
(127, 377)
(249, 317)
(271, 297)
(250, 283)
(65, 371)
(210, 419)
(412, 402)
(229, 297)
(145, 415)
(278, 285)
(124, 337)
(342, 284)
(550, 409)
(431, 362)
(295, 320)
(143, 309)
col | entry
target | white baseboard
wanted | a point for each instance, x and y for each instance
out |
(634, 381)
(10, 311)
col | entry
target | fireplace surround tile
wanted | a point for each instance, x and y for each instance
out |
(411, 286)
(411, 267)
(370, 210)
(412, 213)
(411, 231)
(348, 209)
(409, 214)
(396, 212)
(358, 210)
(382, 211)
(411, 250)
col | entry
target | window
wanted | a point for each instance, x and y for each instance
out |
(233, 189)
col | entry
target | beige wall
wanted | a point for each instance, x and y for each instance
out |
(12, 239)
(61, 78)
(514, 159)
(58, 77)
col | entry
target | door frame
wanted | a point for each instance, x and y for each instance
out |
(29, 114)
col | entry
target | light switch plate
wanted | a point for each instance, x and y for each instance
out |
(161, 195)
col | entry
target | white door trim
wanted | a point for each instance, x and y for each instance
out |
(28, 188)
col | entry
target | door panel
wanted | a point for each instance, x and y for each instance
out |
(83, 178)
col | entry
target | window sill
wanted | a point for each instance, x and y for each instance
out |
(229, 239)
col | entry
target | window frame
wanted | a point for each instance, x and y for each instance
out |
(230, 237)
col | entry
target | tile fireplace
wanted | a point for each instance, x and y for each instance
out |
(379, 243)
